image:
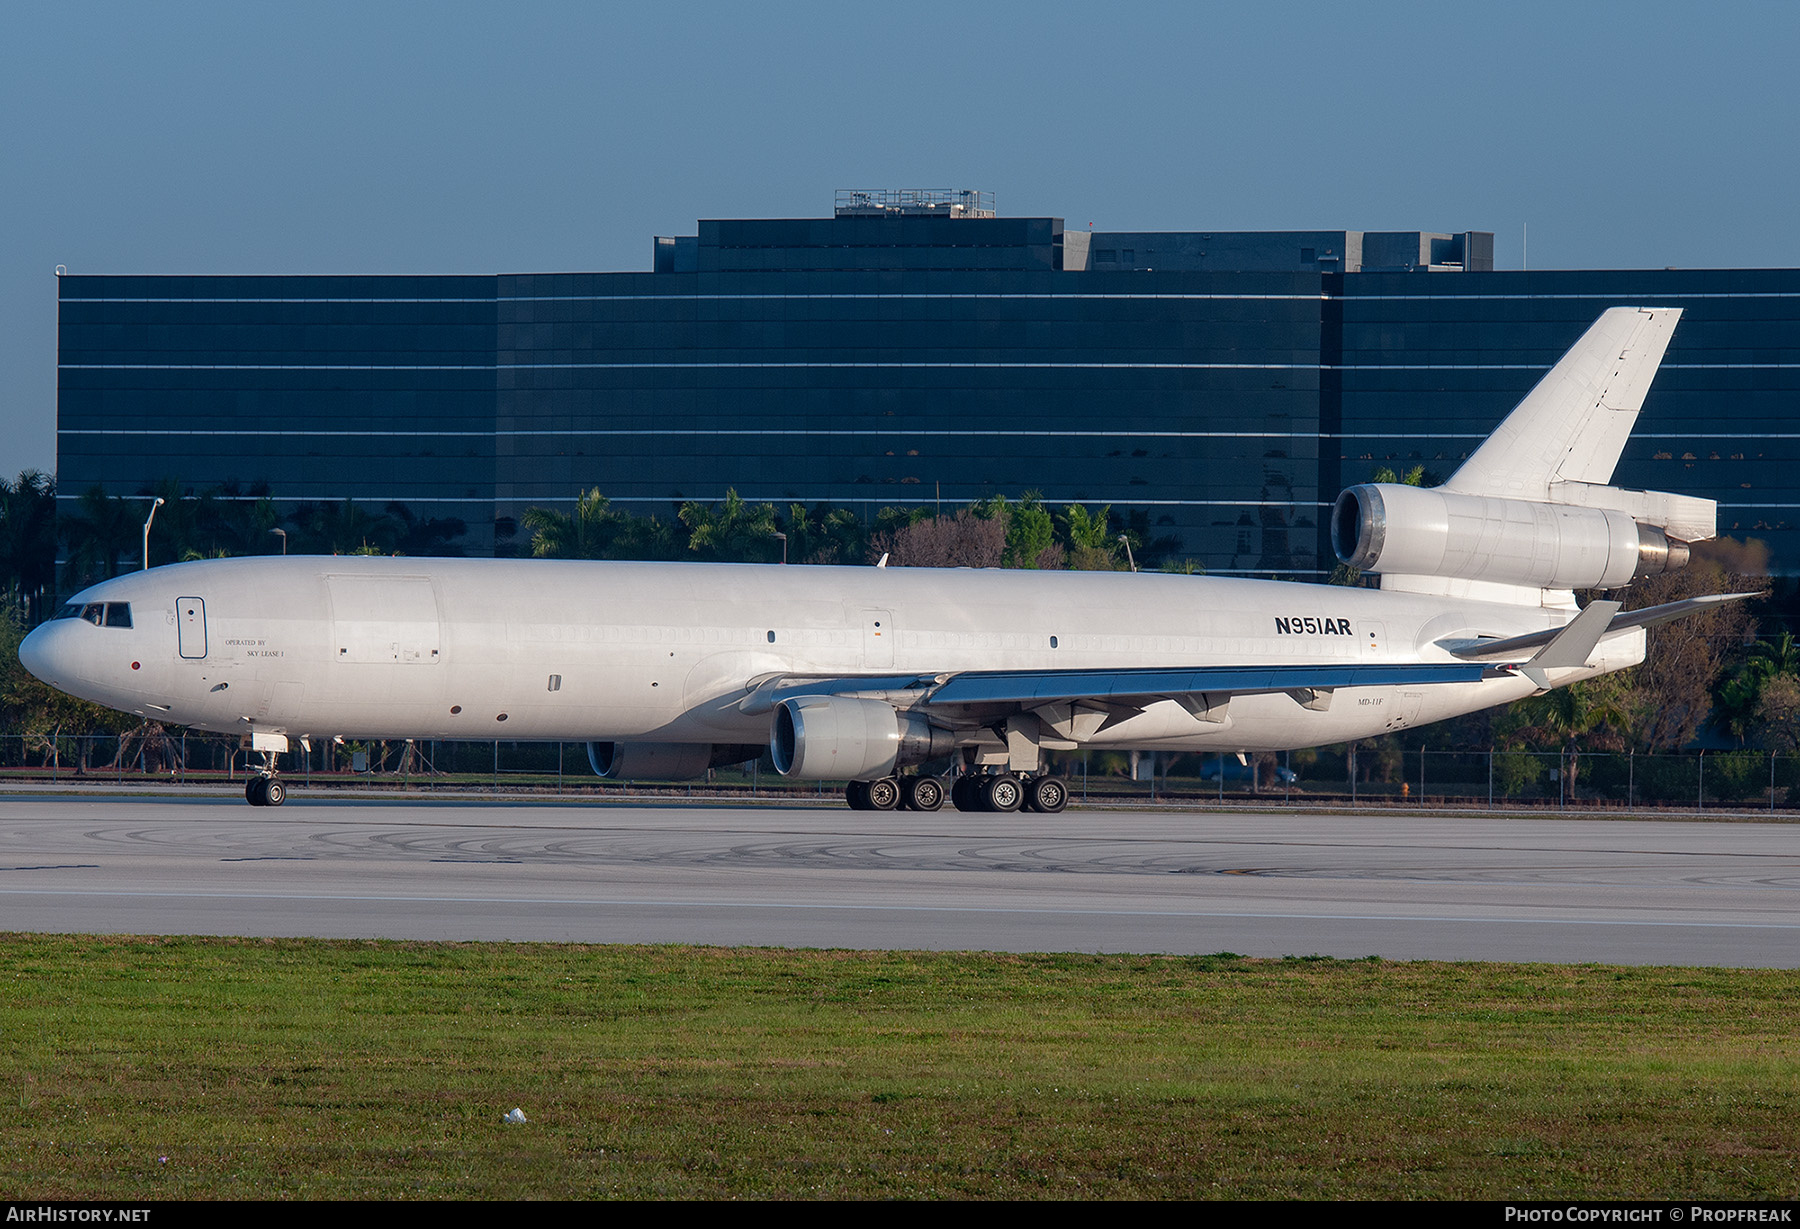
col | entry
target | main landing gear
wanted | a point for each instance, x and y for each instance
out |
(1002, 792)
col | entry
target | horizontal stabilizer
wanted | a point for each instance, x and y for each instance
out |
(1650, 616)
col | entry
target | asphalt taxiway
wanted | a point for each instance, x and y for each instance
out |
(1397, 885)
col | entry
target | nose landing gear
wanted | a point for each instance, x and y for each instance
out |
(265, 789)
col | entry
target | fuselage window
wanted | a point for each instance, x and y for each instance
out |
(118, 614)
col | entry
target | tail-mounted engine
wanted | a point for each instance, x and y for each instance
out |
(1586, 537)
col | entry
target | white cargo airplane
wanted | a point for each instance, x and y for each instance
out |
(852, 673)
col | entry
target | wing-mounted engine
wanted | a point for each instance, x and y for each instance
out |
(1584, 537)
(845, 738)
(664, 761)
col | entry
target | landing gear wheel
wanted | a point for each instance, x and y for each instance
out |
(253, 791)
(965, 793)
(1047, 795)
(922, 794)
(274, 793)
(884, 795)
(1003, 793)
(856, 793)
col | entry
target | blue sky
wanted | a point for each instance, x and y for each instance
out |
(458, 138)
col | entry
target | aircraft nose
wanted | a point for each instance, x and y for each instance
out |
(40, 654)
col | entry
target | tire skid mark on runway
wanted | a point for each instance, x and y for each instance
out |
(247, 842)
(1476, 919)
(241, 827)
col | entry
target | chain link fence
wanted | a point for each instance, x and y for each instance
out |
(156, 756)
(1380, 776)
(1329, 776)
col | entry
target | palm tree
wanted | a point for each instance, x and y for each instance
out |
(1092, 548)
(428, 536)
(1741, 695)
(587, 533)
(343, 529)
(733, 532)
(104, 528)
(1594, 714)
(28, 539)
(824, 534)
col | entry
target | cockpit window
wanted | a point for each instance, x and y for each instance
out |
(100, 614)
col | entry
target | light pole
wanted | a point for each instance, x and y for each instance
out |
(1128, 558)
(783, 538)
(147, 520)
(283, 534)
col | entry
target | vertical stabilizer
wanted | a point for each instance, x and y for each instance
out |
(1574, 424)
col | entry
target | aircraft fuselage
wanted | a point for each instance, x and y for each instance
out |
(657, 652)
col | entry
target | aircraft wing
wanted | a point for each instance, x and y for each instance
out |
(1033, 687)
(1199, 689)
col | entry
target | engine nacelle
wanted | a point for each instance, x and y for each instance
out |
(664, 761)
(1419, 531)
(838, 738)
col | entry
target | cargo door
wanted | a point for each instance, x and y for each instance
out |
(388, 619)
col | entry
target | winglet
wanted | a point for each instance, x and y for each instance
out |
(1573, 645)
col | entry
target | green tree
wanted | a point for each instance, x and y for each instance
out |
(597, 530)
(46, 717)
(1739, 699)
(242, 525)
(1030, 530)
(1687, 658)
(1089, 539)
(733, 531)
(102, 528)
(1594, 715)
(28, 540)
(586, 533)
(824, 534)
(1777, 722)
(425, 536)
(342, 529)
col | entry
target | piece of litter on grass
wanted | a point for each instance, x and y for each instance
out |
(517, 1115)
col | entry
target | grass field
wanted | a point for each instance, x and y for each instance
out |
(175, 1068)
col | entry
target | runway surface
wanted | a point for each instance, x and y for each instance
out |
(1397, 886)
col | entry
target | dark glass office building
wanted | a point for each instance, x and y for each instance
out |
(915, 348)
